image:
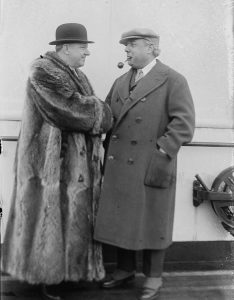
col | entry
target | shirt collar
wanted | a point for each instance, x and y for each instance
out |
(148, 67)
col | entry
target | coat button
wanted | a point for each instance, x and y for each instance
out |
(95, 158)
(130, 161)
(110, 157)
(81, 178)
(143, 99)
(114, 137)
(138, 119)
(133, 142)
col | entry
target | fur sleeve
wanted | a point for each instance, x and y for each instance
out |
(103, 118)
(58, 102)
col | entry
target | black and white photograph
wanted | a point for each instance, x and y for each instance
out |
(117, 149)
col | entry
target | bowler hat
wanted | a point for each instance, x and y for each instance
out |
(70, 33)
(138, 33)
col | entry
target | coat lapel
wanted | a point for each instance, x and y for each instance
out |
(123, 85)
(150, 82)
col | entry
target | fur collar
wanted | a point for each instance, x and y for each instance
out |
(78, 76)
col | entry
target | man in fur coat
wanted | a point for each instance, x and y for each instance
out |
(154, 116)
(57, 170)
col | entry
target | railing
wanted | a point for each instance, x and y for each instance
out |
(210, 144)
(191, 144)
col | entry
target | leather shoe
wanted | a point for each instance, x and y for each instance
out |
(112, 283)
(46, 295)
(149, 294)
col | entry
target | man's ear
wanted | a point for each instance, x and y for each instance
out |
(150, 48)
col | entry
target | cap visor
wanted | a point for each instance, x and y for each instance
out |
(132, 37)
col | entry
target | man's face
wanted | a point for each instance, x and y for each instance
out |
(77, 53)
(138, 53)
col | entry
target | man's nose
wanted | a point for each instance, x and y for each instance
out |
(126, 48)
(87, 52)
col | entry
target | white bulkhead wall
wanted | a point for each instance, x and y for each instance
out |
(196, 40)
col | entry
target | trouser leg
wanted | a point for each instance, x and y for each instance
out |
(153, 261)
(126, 260)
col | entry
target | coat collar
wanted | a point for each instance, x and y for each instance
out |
(76, 75)
(151, 81)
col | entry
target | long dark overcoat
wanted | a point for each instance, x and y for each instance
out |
(49, 237)
(138, 194)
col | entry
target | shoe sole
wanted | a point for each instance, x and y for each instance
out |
(119, 284)
(154, 297)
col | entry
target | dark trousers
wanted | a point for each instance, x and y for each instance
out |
(152, 261)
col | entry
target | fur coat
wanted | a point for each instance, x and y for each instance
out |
(49, 236)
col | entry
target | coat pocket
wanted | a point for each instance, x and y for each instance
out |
(161, 171)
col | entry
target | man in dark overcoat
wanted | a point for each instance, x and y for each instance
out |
(154, 116)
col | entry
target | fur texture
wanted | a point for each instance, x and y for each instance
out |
(49, 236)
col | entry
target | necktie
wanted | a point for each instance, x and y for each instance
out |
(139, 75)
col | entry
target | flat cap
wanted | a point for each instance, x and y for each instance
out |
(138, 33)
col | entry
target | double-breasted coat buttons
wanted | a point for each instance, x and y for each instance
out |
(95, 158)
(82, 152)
(130, 161)
(81, 178)
(114, 137)
(138, 119)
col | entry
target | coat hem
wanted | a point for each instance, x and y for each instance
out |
(29, 279)
(124, 246)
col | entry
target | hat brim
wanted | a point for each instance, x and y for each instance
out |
(131, 37)
(69, 41)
